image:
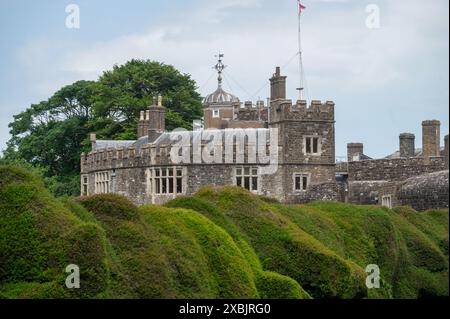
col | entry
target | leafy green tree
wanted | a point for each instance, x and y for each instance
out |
(52, 134)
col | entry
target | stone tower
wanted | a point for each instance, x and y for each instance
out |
(306, 137)
(431, 138)
(407, 145)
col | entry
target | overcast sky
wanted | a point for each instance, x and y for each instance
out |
(384, 81)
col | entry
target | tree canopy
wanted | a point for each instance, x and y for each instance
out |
(52, 134)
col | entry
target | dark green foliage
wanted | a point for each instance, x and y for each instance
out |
(275, 286)
(52, 134)
(338, 241)
(40, 237)
(220, 243)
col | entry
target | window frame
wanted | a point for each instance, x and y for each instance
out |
(102, 182)
(165, 181)
(312, 145)
(216, 113)
(301, 184)
(247, 175)
(85, 185)
(386, 201)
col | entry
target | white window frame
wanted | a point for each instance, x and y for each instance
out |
(216, 114)
(166, 181)
(301, 176)
(242, 174)
(102, 182)
(386, 201)
(85, 185)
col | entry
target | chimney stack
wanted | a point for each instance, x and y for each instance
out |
(407, 145)
(354, 151)
(157, 120)
(431, 139)
(93, 138)
(152, 122)
(446, 151)
(278, 85)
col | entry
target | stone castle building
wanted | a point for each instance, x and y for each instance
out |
(281, 149)
(410, 176)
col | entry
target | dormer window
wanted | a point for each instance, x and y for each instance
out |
(216, 114)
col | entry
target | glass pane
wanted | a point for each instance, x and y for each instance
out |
(239, 181)
(179, 172)
(179, 185)
(157, 172)
(239, 171)
(308, 145)
(247, 183)
(316, 145)
(305, 182)
(297, 183)
(164, 186)
(254, 183)
(171, 186)
(254, 171)
(164, 172)
(170, 171)
(247, 171)
(158, 186)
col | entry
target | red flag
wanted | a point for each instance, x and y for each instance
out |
(300, 7)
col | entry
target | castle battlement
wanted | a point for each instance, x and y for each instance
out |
(160, 154)
(316, 111)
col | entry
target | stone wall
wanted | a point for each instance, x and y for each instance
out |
(425, 192)
(392, 169)
(321, 192)
(320, 177)
(365, 192)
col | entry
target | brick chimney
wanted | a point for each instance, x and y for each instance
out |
(354, 151)
(431, 139)
(278, 85)
(407, 145)
(446, 151)
(93, 139)
(156, 119)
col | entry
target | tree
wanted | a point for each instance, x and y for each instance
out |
(130, 88)
(52, 134)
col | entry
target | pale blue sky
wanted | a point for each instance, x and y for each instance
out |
(384, 81)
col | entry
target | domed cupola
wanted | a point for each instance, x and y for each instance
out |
(220, 96)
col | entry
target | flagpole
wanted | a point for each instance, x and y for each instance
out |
(301, 88)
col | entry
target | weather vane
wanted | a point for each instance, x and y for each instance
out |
(220, 67)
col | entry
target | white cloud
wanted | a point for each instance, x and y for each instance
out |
(342, 56)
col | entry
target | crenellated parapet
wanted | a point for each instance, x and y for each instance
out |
(244, 150)
(251, 112)
(285, 110)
